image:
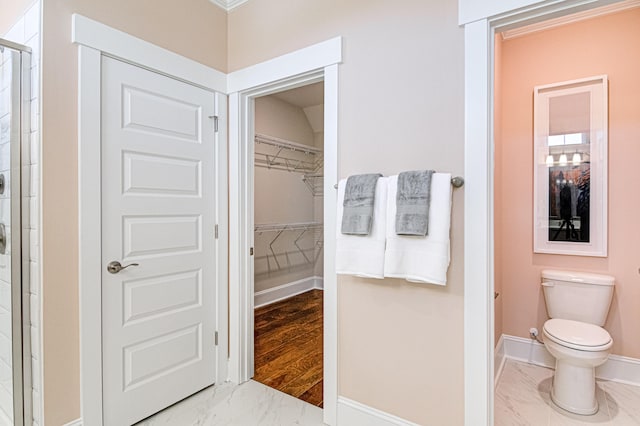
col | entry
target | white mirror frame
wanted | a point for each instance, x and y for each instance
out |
(597, 245)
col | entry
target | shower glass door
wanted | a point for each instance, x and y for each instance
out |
(14, 323)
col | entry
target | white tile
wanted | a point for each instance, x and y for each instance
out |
(522, 398)
(5, 72)
(34, 278)
(623, 401)
(5, 127)
(35, 374)
(35, 81)
(34, 218)
(32, 21)
(5, 349)
(34, 247)
(34, 180)
(34, 43)
(34, 310)
(36, 406)
(248, 404)
(5, 101)
(35, 115)
(16, 33)
(35, 342)
(6, 406)
(34, 148)
(560, 417)
(5, 295)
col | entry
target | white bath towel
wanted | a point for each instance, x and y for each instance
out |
(363, 255)
(416, 258)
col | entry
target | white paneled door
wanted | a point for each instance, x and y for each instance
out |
(158, 220)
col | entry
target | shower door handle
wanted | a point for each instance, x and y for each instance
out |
(3, 239)
(114, 266)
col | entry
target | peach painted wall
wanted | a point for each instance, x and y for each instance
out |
(605, 45)
(193, 28)
(401, 107)
(497, 215)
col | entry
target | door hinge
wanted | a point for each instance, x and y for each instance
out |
(251, 251)
(215, 123)
(215, 338)
(216, 232)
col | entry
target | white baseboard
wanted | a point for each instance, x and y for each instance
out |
(354, 413)
(527, 350)
(281, 292)
(76, 422)
(498, 360)
(617, 368)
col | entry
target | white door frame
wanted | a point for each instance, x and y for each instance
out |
(481, 20)
(309, 65)
(95, 40)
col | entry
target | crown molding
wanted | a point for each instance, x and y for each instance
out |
(228, 4)
(569, 19)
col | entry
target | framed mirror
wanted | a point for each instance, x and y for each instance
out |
(570, 167)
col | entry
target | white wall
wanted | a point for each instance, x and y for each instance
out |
(282, 197)
(27, 31)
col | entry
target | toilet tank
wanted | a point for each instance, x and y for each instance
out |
(577, 296)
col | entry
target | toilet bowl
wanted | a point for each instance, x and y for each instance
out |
(578, 348)
(578, 304)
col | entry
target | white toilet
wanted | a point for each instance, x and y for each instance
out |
(578, 304)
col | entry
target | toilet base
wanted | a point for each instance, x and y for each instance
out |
(574, 388)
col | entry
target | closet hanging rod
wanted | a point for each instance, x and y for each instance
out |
(282, 143)
(456, 181)
(277, 227)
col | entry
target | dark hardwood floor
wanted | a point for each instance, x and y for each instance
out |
(288, 346)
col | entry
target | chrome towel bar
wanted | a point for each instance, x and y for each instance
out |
(456, 181)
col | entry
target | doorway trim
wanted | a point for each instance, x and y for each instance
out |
(95, 40)
(305, 66)
(481, 21)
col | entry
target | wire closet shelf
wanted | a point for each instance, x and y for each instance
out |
(279, 154)
(302, 228)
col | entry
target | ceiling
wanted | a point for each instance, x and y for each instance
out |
(568, 19)
(228, 4)
(304, 96)
(310, 99)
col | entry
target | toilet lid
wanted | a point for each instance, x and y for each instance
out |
(577, 335)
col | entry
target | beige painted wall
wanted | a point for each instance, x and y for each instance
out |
(593, 47)
(281, 197)
(11, 11)
(401, 107)
(193, 28)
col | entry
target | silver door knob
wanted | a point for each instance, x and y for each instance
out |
(114, 266)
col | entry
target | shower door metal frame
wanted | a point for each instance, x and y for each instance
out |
(19, 189)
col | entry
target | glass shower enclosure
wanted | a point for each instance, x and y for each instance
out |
(15, 350)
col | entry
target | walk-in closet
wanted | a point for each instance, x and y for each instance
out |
(288, 241)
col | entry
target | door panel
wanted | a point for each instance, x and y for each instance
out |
(158, 211)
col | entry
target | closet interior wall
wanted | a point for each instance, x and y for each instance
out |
(283, 197)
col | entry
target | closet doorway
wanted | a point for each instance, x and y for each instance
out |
(288, 241)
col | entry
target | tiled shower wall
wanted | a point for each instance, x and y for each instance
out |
(27, 31)
(6, 114)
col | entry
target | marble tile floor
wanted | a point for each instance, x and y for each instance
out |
(248, 404)
(523, 399)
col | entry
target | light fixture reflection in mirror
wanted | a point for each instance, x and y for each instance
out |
(563, 160)
(576, 160)
(549, 160)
